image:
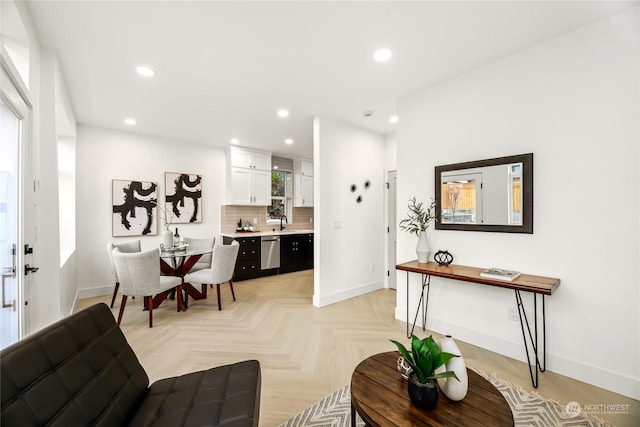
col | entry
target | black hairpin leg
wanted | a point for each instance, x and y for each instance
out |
(426, 282)
(533, 338)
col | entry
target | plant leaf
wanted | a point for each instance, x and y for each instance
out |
(405, 354)
(443, 358)
(448, 374)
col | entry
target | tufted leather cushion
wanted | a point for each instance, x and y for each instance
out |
(77, 372)
(221, 396)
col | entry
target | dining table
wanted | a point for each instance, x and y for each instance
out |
(178, 261)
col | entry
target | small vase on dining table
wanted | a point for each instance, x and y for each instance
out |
(166, 239)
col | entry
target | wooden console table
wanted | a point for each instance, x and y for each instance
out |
(537, 285)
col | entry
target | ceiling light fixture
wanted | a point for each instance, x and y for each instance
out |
(288, 141)
(393, 119)
(235, 141)
(145, 71)
(283, 113)
(382, 55)
(130, 122)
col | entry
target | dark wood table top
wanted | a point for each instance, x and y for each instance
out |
(524, 282)
(379, 395)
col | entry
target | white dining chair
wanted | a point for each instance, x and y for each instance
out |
(201, 244)
(223, 264)
(139, 275)
(126, 247)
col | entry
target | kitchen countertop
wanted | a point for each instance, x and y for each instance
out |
(265, 233)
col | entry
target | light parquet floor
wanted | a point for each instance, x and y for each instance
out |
(306, 352)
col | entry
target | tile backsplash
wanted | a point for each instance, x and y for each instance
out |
(231, 214)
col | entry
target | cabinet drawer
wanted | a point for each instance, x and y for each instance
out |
(247, 269)
(249, 252)
(254, 240)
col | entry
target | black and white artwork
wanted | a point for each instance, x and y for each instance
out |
(134, 208)
(183, 197)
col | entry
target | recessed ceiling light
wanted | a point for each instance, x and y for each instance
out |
(382, 55)
(145, 71)
(130, 122)
(235, 141)
(288, 141)
(393, 119)
(283, 113)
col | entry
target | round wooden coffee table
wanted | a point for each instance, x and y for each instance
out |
(379, 395)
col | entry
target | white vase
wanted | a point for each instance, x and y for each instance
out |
(423, 250)
(452, 388)
(166, 239)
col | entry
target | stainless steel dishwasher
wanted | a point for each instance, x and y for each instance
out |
(270, 252)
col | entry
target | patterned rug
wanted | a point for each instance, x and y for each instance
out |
(529, 409)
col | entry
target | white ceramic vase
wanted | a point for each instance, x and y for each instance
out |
(452, 388)
(423, 250)
(166, 239)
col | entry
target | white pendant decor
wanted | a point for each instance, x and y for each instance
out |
(423, 250)
(452, 388)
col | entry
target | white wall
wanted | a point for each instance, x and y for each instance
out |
(574, 102)
(104, 155)
(348, 235)
(390, 152)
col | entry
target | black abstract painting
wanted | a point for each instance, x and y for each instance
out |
(183, 197)
(134, 208)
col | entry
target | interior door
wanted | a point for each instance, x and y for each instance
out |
(392, 230)
(10, 135)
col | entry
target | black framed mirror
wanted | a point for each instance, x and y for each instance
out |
(486, 195)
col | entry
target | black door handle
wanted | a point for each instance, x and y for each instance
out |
(28, 269)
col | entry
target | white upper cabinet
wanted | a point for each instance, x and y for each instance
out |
(303, 167)
(302, 183)
(303, 191)
(248, 177)
(250, 159)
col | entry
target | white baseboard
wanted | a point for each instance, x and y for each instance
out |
(321, 301)
(594, 375)
(94, 292)
(577, 370)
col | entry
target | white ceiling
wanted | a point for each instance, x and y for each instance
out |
(224, 68)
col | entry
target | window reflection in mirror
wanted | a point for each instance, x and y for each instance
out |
(460, 198)
(515, 194)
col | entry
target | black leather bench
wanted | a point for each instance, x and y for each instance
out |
(80, 371)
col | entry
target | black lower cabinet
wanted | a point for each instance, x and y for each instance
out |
(248, 262)
(296, 252)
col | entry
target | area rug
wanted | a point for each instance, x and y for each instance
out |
(529, 409)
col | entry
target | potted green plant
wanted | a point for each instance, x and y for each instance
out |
(425, 357)
(417, 222)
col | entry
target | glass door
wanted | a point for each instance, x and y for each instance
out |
(13, 114)
(9, 161)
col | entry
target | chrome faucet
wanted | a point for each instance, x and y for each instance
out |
(285, 220)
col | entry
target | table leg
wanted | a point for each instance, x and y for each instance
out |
(353, 416)
(533, 338)
(426, 282)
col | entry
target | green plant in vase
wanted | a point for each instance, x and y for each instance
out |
(417, 221)
(424, 358)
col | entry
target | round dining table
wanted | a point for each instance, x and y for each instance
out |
(178, 262)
